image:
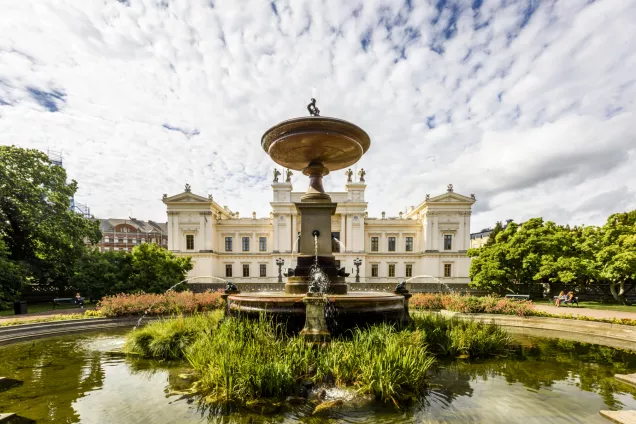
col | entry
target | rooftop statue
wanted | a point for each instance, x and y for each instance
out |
(349, 175)
(361, 174)
(313, 110)
(276, 174)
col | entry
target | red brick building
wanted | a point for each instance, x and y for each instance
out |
(125, 234)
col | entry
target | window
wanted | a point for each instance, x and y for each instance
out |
(409, 244)
(409, 270)
(116, 239)
(134, 241)
(130, 241)
(447, 270)
(190, 242)
(335, 246)
(228, 270)
(117, 248)
(246, 244)
(374, 244)
(106, 239)
(263, 270)
(262, 244)
(228, 244)
(391, 244)
(246, 270)
(448, 241)
(374, 270)
(391, 270)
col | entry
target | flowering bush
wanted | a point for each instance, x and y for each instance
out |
(472, 304)
(159, 304)
(427, 301)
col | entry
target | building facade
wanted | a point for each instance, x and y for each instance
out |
(429, 240)
(125, 234)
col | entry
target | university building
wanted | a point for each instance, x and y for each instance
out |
(125, 234)
(430, 239)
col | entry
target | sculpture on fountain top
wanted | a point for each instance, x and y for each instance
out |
(361, 174)
(289, 175)
(312, 108)
(349, 175)
(401, 288)
(230, 287)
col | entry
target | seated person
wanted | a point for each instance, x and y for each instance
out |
(569, 298)
(79, 300)
(560, 298)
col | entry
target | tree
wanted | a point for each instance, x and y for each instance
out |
(11, 277)
(155, 270)
(98, 274)
(616, 258)
(42, 235)
(149, 268)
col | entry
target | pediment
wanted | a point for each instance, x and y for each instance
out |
(186, 197)
(450, 197)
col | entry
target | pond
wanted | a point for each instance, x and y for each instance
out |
(76, 379)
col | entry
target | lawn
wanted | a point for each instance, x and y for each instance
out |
(41, 307)
(592, 304)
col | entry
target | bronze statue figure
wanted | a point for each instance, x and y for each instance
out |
(361, 174)
(349, 175)
(313, 110)
(289, 175)
(276, 174)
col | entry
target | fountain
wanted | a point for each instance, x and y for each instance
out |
(317, 145)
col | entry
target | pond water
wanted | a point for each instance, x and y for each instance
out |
(74, 379)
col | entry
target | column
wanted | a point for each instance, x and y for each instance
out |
(343, 228)
(349, 238)
(200, 240)
(170, 231)
(275, 247)
(176, 244)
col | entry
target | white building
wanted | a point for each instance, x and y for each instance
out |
(430, 239)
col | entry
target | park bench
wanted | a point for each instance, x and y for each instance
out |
(70, 300)
(574, 299)
(518, 296)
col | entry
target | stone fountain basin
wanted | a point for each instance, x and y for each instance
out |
(345, 311)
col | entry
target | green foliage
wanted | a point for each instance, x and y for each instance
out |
(11, 277)
(98, 274)
(148, 268)
(155, 270)
(239, 360)
(41, 235)
(543, 252)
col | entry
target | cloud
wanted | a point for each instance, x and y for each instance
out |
(527, 104)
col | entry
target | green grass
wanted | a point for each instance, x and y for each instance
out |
(593, 305)
(238, 361)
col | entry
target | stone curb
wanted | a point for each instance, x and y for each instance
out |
(615, 335)
(23, 332)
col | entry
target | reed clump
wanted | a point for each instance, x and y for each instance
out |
(237, 360)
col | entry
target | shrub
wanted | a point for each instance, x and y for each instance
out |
(159, 304)
(472, 304)
(427, 301)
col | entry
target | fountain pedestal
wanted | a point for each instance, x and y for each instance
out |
(316, 219)
(315, 330)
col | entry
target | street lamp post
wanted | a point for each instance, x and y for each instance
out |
(357, 262)
(280, 262)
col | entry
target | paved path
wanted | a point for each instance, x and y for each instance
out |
(595, 313)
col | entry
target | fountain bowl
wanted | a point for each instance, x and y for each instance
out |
(344, 312)
(334, 143)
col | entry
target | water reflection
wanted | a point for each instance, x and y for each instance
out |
(74, 379)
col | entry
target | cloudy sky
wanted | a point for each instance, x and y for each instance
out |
(528, 104)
